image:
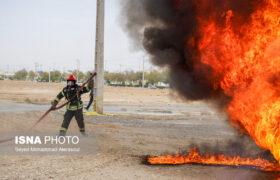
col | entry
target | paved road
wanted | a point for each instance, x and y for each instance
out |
(165, 109)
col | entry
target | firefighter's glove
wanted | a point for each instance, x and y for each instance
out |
(53, 103)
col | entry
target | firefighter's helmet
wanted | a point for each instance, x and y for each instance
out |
(71, 78)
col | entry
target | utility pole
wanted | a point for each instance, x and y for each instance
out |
(143, 74)
(99, 57)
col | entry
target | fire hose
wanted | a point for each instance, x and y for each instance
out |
(53, 109)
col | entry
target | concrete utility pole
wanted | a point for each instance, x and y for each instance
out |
(99, 57)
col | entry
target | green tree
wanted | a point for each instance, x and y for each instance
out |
(155, 76)
(107, 77)
(138, 75)
(31, 75)
(21, 75)
(56, 76)
(119, 77)
(44, 77)
(165, 76)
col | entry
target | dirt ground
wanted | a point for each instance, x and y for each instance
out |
(123, 141)
(43, 93)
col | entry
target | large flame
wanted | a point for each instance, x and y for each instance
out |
(245, 64)
(195, 158)
(242, 60)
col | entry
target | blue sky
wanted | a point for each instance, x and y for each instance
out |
(55, 33)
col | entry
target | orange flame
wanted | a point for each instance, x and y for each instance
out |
(194, 157)
(243, 60)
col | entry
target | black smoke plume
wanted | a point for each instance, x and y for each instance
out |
(162, 28)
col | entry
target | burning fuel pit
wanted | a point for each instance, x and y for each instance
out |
(195, 157)
(232, 155)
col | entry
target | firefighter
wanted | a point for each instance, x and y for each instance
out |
(91, 96)
(73, 108)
